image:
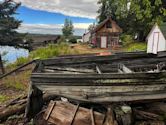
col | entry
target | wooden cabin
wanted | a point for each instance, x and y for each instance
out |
(157, 39)
(106, 34)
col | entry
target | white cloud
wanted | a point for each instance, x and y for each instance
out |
(77, 8)
(52, 28)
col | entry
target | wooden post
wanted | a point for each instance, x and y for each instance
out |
(1, 65)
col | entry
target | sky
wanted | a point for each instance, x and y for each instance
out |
(47, 16)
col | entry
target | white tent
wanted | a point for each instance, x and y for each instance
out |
(156, 39)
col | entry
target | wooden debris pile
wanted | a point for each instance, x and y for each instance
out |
(119, 89)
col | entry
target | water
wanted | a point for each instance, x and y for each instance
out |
(13, 53)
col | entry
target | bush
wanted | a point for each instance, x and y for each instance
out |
(73, 40)
(136, 47)
(21, 61)
(127, 39)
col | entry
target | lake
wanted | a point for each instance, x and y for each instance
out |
(13, 53)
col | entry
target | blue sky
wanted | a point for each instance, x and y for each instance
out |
(31, 16)
(47, 16)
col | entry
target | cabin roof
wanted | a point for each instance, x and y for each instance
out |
(163, 29)
(99, 26)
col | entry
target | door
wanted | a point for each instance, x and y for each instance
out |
(155, 42)
(103, 42)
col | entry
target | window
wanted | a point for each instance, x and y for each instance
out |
(108, 25)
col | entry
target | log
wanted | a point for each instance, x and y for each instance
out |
(144, 115)
(17, 106)
(13, 110)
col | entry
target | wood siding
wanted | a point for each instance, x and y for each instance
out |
(111, 33)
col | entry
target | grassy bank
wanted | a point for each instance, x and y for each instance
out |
(18, 83)
(132, 47)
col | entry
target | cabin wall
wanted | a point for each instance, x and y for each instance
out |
(156, 41)
(111, 39)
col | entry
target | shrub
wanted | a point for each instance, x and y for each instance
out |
(126, 39)
(73, 40)
(136, 47)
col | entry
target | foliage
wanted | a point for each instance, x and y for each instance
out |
(133, 16)
(91, 27)
(68, 28)
(19, 81)
(20, 61)
(8, 24)
(3, 98)
(52, 50)
(62, 40)
(127, 39)
(72, 40)
(141, 46)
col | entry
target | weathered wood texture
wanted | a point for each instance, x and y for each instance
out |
(62, 113)
(96, 78)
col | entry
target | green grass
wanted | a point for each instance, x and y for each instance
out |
(19, 81)
(53, 50)
(49, 51)
(3, 98)
(136, 47)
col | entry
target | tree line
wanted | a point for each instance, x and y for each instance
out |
(135, 17)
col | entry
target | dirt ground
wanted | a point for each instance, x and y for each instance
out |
(85, 48)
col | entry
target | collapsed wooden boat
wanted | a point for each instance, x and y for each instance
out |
(122, 77)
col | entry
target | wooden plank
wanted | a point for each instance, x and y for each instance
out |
(97, 82)
(98, 70)
(15, 70)
(92, 59)
(123, 69)
(63, 114)
(119, 97)
(97, 90)
(101, 76)
(79, 70)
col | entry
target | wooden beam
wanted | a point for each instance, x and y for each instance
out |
(98, 70)
(123, 69)
(15, 70)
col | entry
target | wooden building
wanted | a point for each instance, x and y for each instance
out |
(86, 37)
(42, 40)
(106, 34)
(157, 39)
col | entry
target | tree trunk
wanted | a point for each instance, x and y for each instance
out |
(1, 66)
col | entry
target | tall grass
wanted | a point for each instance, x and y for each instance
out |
(136, 47)
(53, 50)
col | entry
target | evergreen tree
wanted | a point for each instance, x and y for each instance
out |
(68, 29)
(8, 24)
